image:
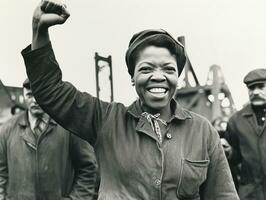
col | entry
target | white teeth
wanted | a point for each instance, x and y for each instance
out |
(157, 90)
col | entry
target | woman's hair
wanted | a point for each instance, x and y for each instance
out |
(157, 38)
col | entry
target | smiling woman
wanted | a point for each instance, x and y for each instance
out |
(155, 79)
(153, 149)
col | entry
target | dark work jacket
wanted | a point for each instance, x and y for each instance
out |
(249, 148)
(189, 164)
(57, 166)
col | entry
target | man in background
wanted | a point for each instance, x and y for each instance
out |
(246, 134)
(40, 161)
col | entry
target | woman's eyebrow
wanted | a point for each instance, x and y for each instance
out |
(171, 63)
(146, 62)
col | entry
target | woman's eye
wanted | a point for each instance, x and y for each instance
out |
(170, 69)
(145, 69)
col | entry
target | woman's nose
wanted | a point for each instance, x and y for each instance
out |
(158, 76)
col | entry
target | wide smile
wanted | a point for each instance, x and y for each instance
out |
(158, 92)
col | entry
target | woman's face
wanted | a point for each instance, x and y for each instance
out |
(155, 78)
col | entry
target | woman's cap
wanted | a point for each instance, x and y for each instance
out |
(148, 34)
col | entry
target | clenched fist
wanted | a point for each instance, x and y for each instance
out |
(49, 13)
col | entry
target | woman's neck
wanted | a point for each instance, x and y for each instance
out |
(165, 113)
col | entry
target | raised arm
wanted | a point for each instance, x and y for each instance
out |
(46, 14)
(78, 112)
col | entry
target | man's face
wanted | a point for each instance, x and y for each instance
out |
(31, 103)
(257, 94)
(155, 77)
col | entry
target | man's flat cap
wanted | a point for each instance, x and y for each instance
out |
(255, 76)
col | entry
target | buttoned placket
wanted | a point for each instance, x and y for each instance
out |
(144, 127)
(34, 143)
(158, 180)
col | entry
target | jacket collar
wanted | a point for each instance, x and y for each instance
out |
(179, 113)
(26, 132)
(247, 111)
(144, 127)
(24, 120)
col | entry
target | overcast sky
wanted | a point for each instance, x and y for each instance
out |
(229, 33)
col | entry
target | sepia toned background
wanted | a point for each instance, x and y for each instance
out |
(231, 34)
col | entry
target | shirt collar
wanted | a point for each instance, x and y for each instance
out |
(32, 120)
(179, 113)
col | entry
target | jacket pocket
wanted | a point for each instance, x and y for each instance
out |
(193, 174)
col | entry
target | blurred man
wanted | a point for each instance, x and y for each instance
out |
(39, 161)
(220, 125)
(246, 133)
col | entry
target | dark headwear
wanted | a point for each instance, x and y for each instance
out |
(26, 84)
(139, 38)
(255, 76)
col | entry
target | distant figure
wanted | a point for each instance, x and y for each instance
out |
(153, 149)
(41, 160)
(246, 133)
(220, 125)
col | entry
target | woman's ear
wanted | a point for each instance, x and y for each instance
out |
(132, 82)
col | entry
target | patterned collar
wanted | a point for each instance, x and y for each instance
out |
(179, 113)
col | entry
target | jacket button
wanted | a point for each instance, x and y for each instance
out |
(168, 135)
(157, 182)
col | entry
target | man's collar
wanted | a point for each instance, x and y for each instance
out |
(23, 119)
(247, 111)
(179, 113)
(31, 120)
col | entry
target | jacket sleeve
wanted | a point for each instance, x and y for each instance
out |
(232, 138)
(3, 166)
(84, 162)
(219, 184)
(78, 112)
